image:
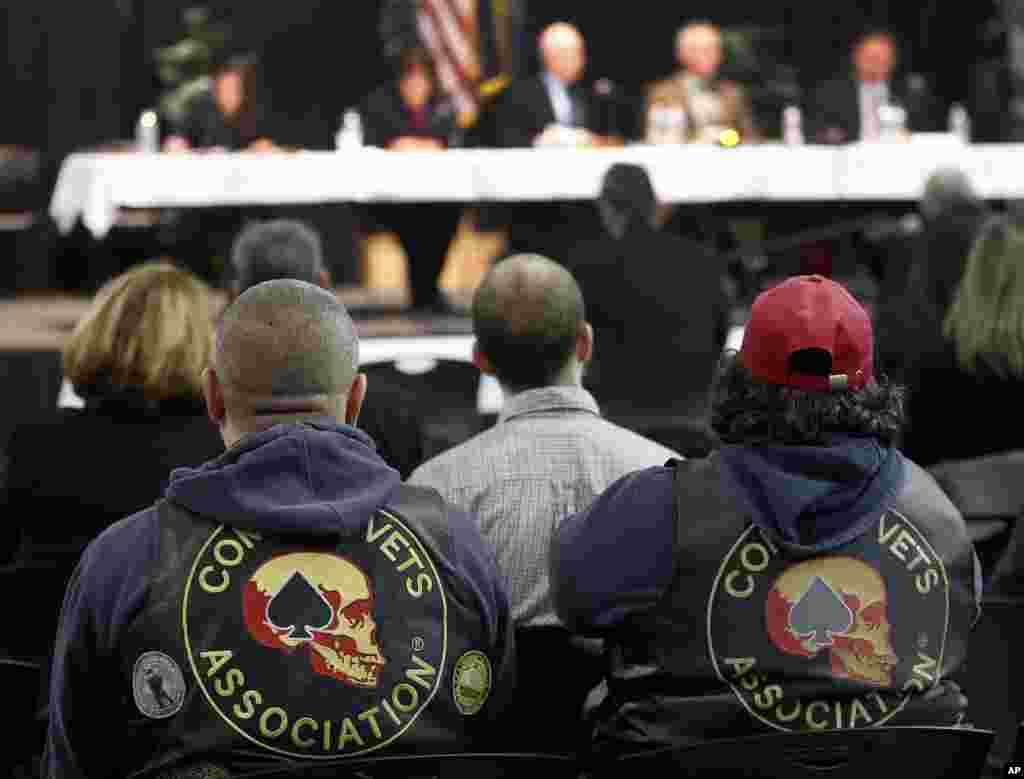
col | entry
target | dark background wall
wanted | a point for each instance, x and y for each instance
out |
(78, 73)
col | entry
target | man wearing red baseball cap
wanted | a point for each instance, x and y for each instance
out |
(805, 576)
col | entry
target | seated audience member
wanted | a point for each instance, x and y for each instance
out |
(648, 292)
(286, 249)
(805, 576)
(412, 114)
(549, 454)
(289, 598)
(710, 104)
(277, 249)
(846, 108)
(136, 359)
(979, 368)
(908, 320)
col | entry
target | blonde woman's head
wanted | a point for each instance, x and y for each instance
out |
(150, 330)
(986, 320)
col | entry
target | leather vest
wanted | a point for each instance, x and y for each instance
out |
(253, 648)
(757, 636)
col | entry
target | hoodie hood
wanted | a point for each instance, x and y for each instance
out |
(814, 498)
(318, 478)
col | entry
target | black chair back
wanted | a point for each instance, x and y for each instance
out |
(24, 731)
(989, 493)
(933, 753)
(988, 678)
(468, 765)
(555, 673)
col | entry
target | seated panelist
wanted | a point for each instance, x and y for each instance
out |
(695, 105)
(228, 117)
(553, 108)
(850, 107)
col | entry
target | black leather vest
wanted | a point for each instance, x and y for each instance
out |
(754, 636)
(254, 648)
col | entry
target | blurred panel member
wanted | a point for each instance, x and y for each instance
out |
(703, 104)
(847, 108)
(412, 114)
(226, 118)
(552, 108)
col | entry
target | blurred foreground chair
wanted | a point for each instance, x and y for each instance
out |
(417, 408)
(921, 752)
(989, 678)
(24, 731)
(989, 492)
(468, 765)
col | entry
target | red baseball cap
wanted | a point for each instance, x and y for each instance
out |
(809, 312)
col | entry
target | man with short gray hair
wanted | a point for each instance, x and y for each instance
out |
(289, 598)
(277, 249)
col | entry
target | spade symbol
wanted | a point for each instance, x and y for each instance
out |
(820, 613)
(299, 607)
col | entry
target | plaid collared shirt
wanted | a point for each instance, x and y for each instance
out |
(548, 457)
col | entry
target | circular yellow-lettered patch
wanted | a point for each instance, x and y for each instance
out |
(471, 682)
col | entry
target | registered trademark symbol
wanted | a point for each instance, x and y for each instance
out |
(417, 644)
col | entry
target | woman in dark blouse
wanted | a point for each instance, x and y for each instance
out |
(136, 359)
(964, 395)
(412, 114)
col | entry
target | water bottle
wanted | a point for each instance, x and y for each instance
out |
(960, 123)
(892, 122)
(792, 126)
(350, 134)
(147, 132)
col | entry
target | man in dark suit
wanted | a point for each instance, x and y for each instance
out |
(649, 293)
(551, 109)
(846, 109)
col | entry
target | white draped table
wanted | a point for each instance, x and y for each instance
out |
(93, 187)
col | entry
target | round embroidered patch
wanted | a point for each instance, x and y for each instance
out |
(158, 685)
(471, 682)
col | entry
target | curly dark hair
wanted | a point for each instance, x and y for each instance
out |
(748, 411)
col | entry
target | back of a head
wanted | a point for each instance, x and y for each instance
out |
(285, 347)
(148, 330)
(948, 191)
(527, 313)
(278, 249)
(986, 318)
(805, 369)
(627, 189)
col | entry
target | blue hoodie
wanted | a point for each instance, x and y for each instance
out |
(616, 558)
(320, 478)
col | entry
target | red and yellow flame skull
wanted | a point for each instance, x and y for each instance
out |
(346, 649)
(863, 652)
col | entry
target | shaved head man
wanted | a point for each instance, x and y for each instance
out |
(285, 348)
(296, 559)
(563, 52)
(550, 454)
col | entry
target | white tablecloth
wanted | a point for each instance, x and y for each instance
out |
(92, 187)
